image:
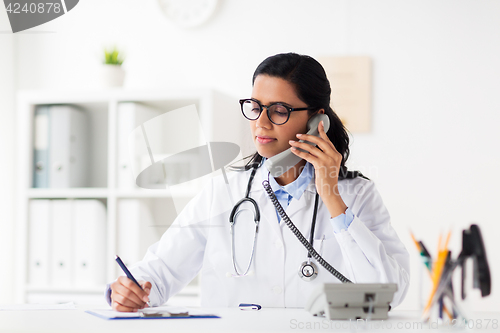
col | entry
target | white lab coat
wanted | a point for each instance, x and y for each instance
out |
(368, 251)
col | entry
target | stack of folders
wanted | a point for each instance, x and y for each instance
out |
(136, 230)
(131, 144)
(60, 147)
(67, 243)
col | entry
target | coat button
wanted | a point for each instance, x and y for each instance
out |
(278, 244)
(277, 290)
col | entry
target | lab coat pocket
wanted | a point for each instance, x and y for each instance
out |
(327, 247)
(319, 244)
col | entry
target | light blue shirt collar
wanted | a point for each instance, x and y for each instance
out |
(298, 186)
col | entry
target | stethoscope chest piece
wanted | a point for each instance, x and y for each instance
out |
(308, 271)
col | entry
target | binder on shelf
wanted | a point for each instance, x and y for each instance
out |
(130, 116)
(38, 245)
(136, 230)
(89, 222)
(68, 147)
(61, 244)
(60, 147)
(41, 147)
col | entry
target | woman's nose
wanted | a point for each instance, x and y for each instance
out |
(263, 120)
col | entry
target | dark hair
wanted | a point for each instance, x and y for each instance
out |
(313, 88)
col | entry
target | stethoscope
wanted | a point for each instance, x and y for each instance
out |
(308, 271)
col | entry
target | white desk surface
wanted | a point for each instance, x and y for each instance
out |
(232, 320)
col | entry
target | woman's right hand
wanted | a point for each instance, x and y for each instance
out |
(126, 296)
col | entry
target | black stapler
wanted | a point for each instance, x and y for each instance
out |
(473, 247)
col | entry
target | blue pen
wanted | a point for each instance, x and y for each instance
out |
(249, 306)
(129, 275)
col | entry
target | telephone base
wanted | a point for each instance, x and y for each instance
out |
(354, 313)
(353, 301)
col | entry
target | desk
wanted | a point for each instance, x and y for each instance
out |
(232, 320)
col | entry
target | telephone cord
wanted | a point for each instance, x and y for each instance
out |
(301, 237)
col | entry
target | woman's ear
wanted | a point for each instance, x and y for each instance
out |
(320, 111)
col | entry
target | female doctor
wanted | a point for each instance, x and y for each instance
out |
(340, 211)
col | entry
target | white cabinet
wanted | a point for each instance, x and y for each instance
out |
(109, 183)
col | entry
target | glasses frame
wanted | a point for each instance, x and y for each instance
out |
(289, 109)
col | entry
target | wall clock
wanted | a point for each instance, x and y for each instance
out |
(188, 13)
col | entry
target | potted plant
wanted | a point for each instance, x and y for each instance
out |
(113, 75)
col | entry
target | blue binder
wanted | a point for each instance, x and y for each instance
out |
(41, 149)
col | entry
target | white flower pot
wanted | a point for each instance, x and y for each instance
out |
(112, 75)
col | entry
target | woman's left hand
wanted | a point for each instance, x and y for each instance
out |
(326, 161)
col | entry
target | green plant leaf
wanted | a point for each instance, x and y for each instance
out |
(113, 57)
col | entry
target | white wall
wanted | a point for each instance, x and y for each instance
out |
(433, 147)
(7, 114)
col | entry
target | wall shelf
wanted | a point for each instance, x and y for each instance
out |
(215, 110)
(71, 193)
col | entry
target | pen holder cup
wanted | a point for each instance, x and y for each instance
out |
(446, 306)
(424, 282)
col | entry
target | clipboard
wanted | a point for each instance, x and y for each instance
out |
(151, 313)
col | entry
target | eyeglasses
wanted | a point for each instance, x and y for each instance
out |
(277, 113)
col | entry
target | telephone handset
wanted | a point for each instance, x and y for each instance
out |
(282, 162)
